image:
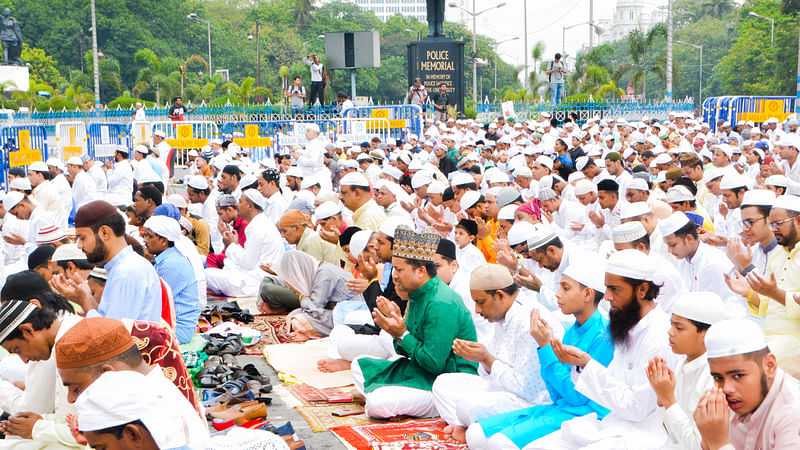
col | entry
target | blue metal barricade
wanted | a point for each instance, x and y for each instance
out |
(403, 119)
(22, 145)
(756, 109)
(105, 138)
(253, 135)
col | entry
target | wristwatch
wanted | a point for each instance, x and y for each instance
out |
(400, 339)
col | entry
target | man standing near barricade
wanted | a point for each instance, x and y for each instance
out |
(177, 110)
(555, 72)
(317, 81)
(440, 103)
(417, 95)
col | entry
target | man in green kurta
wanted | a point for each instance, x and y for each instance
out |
(435, 316)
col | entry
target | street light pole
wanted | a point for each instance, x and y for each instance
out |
(771, 26)
(258, 56)
(95, 62)
(194, 16)
(497, 44)
(669, 56)
(700, 91)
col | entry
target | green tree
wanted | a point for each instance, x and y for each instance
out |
(302, 16)
(640, 46)
(154, 75)
(43, 68)
(245, 91)
(537, 52)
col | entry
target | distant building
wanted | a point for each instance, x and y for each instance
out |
(630, 15)
(387, 8)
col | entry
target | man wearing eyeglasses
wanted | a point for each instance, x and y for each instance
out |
(776, 295)
(752, 251)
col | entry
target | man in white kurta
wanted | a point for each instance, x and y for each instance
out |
(242, 274)
(44, 192)
(59, 180)
(84, 189)
(509, 366)
(622, 387)
(120, 179)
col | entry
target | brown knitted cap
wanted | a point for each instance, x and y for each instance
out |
(90, 341)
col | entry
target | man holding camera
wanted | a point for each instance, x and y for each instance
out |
(556, 71)
(317, 83)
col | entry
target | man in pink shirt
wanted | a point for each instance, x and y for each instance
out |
(764, 399)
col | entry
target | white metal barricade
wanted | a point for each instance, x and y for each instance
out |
(186, 135)
(70, 139)
(140, 133)
(358, 130)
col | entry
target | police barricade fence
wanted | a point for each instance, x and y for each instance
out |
(71, 139)
(756, 109)
(403, 119)
(356, 131)
(105, 138)
(185, 135)
(289, 133)
(139, 132)
(251, 135)
(22, 145)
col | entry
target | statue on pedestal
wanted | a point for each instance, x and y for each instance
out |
(11, 37)
(435, 18)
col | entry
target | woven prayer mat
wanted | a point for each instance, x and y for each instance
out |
(273, 330)
(422, 434)
(322, 418)
(300, 361)
(312, 396)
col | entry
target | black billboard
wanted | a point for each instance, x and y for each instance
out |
(438, 61)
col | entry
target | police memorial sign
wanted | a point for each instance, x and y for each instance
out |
(438, 61)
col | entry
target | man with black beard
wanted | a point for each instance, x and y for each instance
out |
(638, 328)
(133, 289)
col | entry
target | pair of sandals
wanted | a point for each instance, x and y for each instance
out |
(227, 312)
(224, 345)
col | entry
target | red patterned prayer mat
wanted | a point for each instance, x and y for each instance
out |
(425, 434)
(274, 330)
(313, 396)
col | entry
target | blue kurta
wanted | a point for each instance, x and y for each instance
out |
(176, 270)
(526, 425)
(133, 290)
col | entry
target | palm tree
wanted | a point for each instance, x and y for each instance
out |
(245, 91)
(716, 8)
(302, 16)
(639, 45)
(610, 88)
(183, 67)
(154, 73)
(536, 54)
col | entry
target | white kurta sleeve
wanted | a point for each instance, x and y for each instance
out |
(680, 427)
(630, 397)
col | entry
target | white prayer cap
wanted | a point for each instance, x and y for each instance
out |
(462, 178)
(391, 223)
(436, 187)
(470, 199)
(120, 397)
(700, 306)
(776, 180)
(758, 197)
(75, 161)
(177, 200)
(193, 152)
(581, 162)
(422, 178)
(160, 133)
(499, 177)
(520, 231)
(416, 164)
(678, 194)
(165, 227)
(55, 162)
(789, 140)
(727, 149)
(628, 232)
(68, 252)
(326, 210)
(295, 171)
(20, 183)
(363, 157)
(638, 184)
(523, 172)
(393, 172)
(584, 186)
(631, 263)
(198, 182)
(545, 161)
(257, 199)
(312, 126)
(507, 212)
(141, 149)
(359, 242)
(349, 164)
(588, 271)
(546, 193)
(354, 179)
(663, 158)
(712, 174)
(787, 202)
(12, 199)
(308, 182)
(673, 223)
(627, 153)
(733, 337)
(635, 209)
(541, 234)
(733, 180)
(38, 166)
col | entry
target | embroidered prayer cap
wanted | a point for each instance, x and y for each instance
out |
(787, 202)
(541, 235)
(68, 252)
(679, 194)
(120, 397)
(411, 245)
(635, 209)
(490, 277)
(506, 196)
(24, 285)
(673, 223)
(292, 217)
(49, 234)
(256, 198)
(446, 248)
(165, 227)
(226, 200)
(198, 182)
(470, 199)
(589, 270)
(628, 232)
(98, 273)
(758, 197)
(776, 180)
(90, 341)
(631, 264)
(733, 337)
(93, 213)
(12, 314)
(326, 210)
(700, 306)
(546, 194)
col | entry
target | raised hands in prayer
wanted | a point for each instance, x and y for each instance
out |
(387, 316)
(712, 418)
(20, 424)
(568, 354)
(662, 379)
(540, 330)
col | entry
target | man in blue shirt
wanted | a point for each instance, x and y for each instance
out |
(133, 290)
(160, 234)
